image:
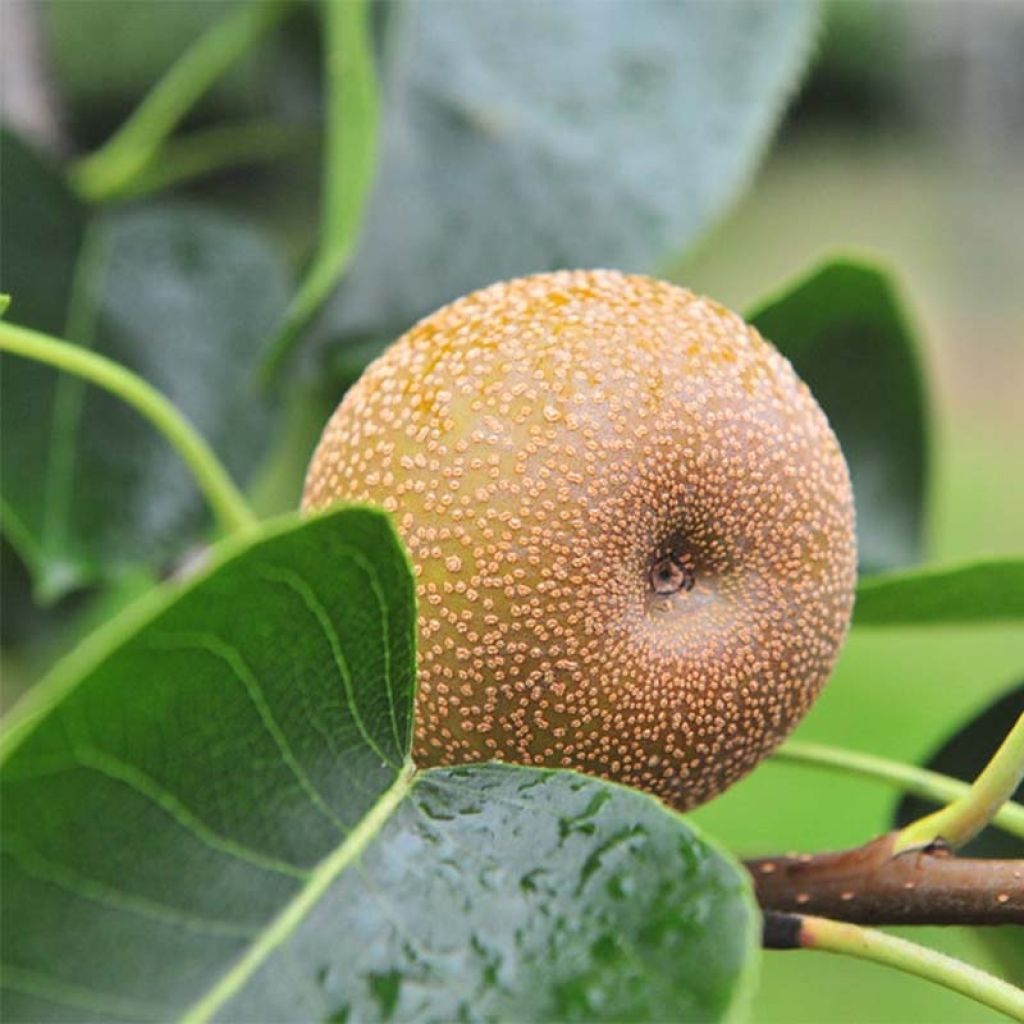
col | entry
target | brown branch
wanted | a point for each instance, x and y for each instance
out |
(871, 885)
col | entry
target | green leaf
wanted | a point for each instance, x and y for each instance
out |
(988, 591)
(208, 814)
(32, 638)
(521, 137)
(44, 227)
(844, 329)
(171, 786)
(181, 295)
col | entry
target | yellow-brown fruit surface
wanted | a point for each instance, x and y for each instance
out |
(630, 523)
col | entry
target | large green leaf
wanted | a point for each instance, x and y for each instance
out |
(180, 294)
(208, 811)
(845, 331)
(987, 591)
(520, 137)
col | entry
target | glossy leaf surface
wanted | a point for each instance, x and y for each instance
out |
(502, 893)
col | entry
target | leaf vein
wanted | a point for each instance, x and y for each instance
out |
(289, 579)
(45, 870)
(232, 657)
(320, 879)
(46, 986)
(145, 786)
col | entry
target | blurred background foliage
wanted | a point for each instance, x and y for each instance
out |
(903, 144)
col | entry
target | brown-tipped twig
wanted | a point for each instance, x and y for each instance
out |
(797, 931)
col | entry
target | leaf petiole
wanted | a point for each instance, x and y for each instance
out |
(112, 168)
(212, 149)
(350, 157)
(960, 821)
(795, 931)
(224, 497)
(919, 782)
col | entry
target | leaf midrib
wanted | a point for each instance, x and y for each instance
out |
(320, 879)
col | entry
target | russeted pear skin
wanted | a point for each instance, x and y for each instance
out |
(631, 528)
